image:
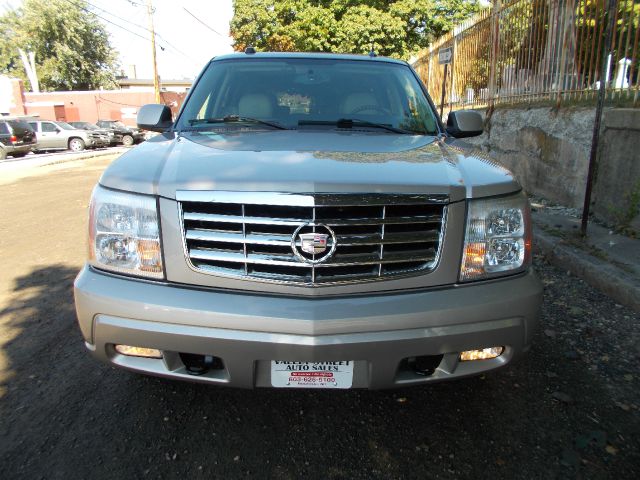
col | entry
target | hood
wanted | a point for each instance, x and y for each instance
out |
(301, 161)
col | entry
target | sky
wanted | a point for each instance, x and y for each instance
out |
(183, 43)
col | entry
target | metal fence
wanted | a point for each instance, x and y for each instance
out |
(538, 50)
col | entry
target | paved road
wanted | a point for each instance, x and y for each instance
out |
(569, 410)
(12, 169)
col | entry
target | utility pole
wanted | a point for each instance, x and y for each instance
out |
(156, 80)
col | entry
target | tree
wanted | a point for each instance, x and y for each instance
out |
(394, 28)
(71, 46)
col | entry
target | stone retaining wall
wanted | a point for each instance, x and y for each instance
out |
(617, 187)
(548, 150)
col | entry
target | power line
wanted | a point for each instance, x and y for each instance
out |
(125, 28)
(217, 33)
(141, 27)
(118, 17)
(86, 10)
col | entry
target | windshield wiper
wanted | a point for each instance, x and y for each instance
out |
(236, 119)
(354, 122)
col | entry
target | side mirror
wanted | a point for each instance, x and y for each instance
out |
(154, 117)
(465, 123)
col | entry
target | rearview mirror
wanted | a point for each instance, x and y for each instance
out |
(154, 117)
(465, 123)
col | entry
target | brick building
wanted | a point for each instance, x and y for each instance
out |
(89, 106)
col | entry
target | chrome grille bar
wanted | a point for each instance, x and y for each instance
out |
(285, 240)
(214, 218)
(249, 235)
(291, 261)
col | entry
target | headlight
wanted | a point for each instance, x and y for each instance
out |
(124, 236)
(498, 237)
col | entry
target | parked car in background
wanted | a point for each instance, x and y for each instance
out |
(125, 135)
(107, 135)
(17, 138)
(60, 135)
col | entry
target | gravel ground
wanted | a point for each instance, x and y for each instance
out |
(569, 409)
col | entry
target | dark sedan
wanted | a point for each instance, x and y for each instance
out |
(107, 137)
(125, 135)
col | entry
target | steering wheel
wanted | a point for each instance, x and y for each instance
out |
(374, 108)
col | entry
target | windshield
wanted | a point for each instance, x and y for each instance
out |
(65, 126)
(84, 125)
(309, 93)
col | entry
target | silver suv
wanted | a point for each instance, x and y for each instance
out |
(55, 135)
(308, 222)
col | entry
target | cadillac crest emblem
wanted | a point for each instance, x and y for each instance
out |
(313, 243)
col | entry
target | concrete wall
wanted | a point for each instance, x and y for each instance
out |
(617, 188)
(548, 150)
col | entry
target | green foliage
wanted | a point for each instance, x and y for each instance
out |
(394, 28)
(72, 49)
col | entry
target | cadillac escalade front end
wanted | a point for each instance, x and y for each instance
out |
(308, 222)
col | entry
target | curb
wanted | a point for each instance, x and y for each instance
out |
(609, 279)
(14, 170)
(83, 156)
(38, 161)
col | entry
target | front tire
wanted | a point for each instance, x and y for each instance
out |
(19, 155)
(127, 140)
(76, 145)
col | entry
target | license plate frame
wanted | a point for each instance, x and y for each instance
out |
(325, 375)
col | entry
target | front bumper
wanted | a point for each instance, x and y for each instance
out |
(247, 331)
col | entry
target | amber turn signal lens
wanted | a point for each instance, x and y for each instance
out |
(150, 256)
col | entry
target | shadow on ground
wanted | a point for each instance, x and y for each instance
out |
(65, 415)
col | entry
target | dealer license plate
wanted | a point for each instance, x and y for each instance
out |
(311, 374)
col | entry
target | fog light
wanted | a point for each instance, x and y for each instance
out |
(138, 351)
(484, 354)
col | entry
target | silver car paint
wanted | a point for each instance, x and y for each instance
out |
(306, 161)
(249, 323)
(248, 330)
(58, 139)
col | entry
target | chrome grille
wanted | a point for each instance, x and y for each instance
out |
(249, 235)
